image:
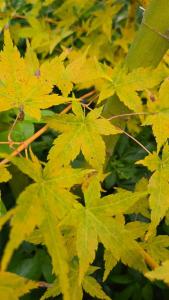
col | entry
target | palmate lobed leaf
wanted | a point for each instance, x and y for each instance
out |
(157, 247)
(80, 132)
(12, 286)
(21, 89)
(42, 204)
(159, 115)
(160, 273)
(94, 223)
(158, 186)
(89, 285)
(55, 73)
(126, 85)
(95, 219)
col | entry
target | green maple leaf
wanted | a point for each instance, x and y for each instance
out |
(158, 186)
(80, 132)
(43, 204)
(94, 224)
(126, 85)
(160, 115)
(21, 89)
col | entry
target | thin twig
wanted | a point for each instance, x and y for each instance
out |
(37, 134)
(164, 36)
(149, 260)
(129, 114)
(44, 284)
(8, 143)
(25, 144)
(91, 101)
(11, 130)
(136, 141)
(87, 95)
(126, 133)
(51, 21)
(19, 17)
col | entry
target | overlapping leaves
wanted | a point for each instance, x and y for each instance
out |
(43, 204)
(18, 88)
(158, 186)
(80, 132)
(12, 286)
(126, 85)
(94, 223)
(159, 115)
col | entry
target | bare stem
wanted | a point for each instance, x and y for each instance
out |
(11, 130)
(136, 141)
(8, 143)
(26, 143)
(44, 284)
(129, 114)
(149, 260)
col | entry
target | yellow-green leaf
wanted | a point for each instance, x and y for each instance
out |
(126, 85)
(4, 174)
(20, 89)
(12, 286)
(42, 204)
(93, 288)
(160, 273)
(159, 117)
(158, 186)
(94, 224)
(80, 132)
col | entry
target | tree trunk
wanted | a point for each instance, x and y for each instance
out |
(147, 50)
(152, 40)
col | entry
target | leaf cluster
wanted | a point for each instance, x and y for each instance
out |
(72, 197)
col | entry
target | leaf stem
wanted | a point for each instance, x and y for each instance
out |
(8, 143)
(149, 260)
(26, 143)
(129, 114)
(126, 133)
(44, 284)
(136, 141)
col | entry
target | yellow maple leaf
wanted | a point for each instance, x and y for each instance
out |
(4, 174)
(159, 115)
(94, 224)
(126, 85)
(157, 247)
(80, 132)
(158, 186)
(18, 88)
(12, 286)
(160, 273)
(55, 73)
(49, 202)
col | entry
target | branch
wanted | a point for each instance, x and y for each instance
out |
(44, 284)
(149, 46)
(149, 260)
(26, 143)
